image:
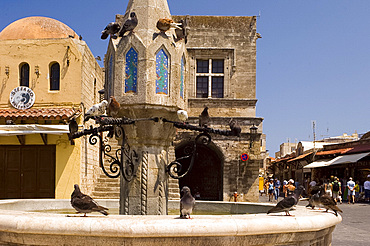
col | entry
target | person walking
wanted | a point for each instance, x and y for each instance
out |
(351, 191)
(290, 188)
(271, 189)
(357, 190)
(328, 187)
(285, 184)
(337, 190)
(367, 189)
(277, 189)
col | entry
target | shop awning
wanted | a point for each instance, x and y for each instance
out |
(320, 163)
(14, 130)
(343, 159)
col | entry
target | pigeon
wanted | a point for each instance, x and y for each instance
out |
(96, 109)
(328, 202)
(129, 24)
(204, 119)
(111, 29)
(113, 107)
(182, 114)
(72, 125)
(165, 24)
(235, 128)
(187, 203)
(84, 203)
(183, 32)
(315, 197)
(287, 203)
(314, 201)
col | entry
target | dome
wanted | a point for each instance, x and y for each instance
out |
(36, 27)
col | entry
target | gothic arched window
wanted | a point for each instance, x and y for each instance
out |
(161, 82)
(182, 77)
(131, 71)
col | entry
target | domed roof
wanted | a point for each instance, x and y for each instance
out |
(36, 27)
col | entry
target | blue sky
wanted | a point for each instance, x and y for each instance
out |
(313, 61)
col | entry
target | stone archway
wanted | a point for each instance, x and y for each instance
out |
(206, 176)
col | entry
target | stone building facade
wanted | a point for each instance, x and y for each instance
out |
(49, 59)
(227, 45)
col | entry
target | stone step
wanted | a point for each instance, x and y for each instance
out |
(106, 179)
(174, 186)
(107, 189)
(105, 195)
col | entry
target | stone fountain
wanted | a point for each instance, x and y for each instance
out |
(144, 72)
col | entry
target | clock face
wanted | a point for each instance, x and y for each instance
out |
(22, 97)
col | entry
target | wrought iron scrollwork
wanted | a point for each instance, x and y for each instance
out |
(175, 168)
(115, 165)
(123, 160)
(129, 169)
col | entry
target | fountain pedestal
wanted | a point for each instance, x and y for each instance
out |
(146, 74)
(147, 192)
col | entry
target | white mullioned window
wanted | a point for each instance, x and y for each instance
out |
(210, 78)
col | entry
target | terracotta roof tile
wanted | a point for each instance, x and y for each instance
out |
(37, 113)
(300, 157)
(335, 151)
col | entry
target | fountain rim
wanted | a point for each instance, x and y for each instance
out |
(130, 226)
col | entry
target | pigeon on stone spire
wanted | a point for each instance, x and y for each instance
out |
(129, 25)
(113, 107)
(182, 114)
(184, 31)
(164, 24)
(111, 29)
(96, 109)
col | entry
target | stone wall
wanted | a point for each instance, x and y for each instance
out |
(232, 39)
(91, 83)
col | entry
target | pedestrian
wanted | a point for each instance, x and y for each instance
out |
(337, 189)
(277, 189)
(311, 185)
(357, 190)
(367, 188)
(328, 187)
(290, 188)
(271, 189)
(285, 184)
(351, 191)
(266, 187)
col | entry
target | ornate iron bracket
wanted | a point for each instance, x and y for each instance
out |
(116, 159)
(174, 168)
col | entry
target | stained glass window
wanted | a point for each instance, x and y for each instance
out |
(161, 83)
(182, 78)
(110, 76)
(131, 71)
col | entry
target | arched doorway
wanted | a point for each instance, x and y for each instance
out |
(206, 176)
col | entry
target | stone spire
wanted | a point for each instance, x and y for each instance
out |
(147, 71)
(148, 13)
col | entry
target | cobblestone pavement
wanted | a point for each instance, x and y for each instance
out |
(355, 227)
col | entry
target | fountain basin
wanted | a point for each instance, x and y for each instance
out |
(19, 226)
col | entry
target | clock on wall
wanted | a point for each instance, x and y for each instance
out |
(22, 97)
